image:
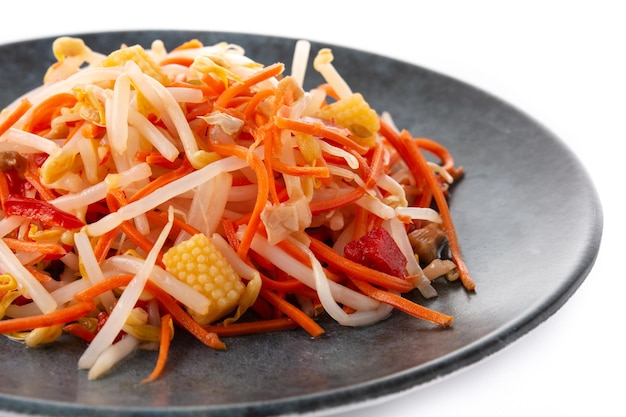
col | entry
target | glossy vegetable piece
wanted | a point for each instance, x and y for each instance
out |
(377, 250)
(199, 263)
(354, 113)
(40, 211)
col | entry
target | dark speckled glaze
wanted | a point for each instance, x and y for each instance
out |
(527, 215)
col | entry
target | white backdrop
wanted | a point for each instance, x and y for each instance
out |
(560, 62)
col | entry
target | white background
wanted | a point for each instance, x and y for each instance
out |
(560, 62)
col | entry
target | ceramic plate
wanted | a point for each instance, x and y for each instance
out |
(528, 218)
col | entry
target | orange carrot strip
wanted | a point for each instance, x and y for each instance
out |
(215, 86)
(295, 170)
(61, 316)
(230, 233)
(253, 327)
(177, 60)
(444, 212)
(377, 165)
(411, 153)
(34, 247)
(256, 99)
(91, 130)
(263, 188)
(75, 129)
(282, 286)
(158, 183)
(4, 189)
(190, 44)
(164, 348)
(40, 276)
(267, 135)
(107, 284)
(361, 225)
(210, 339)
(403, 304)
(442, 153)
(240, 87)
(294, 252)
(198, 86)
(104, 244)
(328, 90)
(44, 112)
(198, 110)
(321, 130)
(32, 176)
(138, 238)
(18, 112)
(337, 202)
(297, 315)
(161, 219)
(354, 269)
(156, 158)
(115, 199)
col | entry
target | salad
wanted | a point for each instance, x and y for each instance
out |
(148, 191)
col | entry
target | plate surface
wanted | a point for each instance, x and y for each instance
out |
(528, 218)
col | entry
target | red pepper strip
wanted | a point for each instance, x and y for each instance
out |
(80, 331)
(40, 211)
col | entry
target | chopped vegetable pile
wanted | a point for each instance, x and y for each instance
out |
(147, 191)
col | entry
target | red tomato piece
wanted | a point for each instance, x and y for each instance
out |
(377, 250)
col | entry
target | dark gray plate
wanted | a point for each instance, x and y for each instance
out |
(528, 217)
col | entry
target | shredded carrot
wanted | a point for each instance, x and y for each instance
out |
(155, 158)
(293, 312)
(263, 188)
(403, 304)
(444, 212)
(104, 244)
(44, 112)
(39, 275)
(377, 166)
(160, 219)
(443, 154)
(4, 189)
(34, 247)
(252, 327)
(340, 201)
(91, 130)
(177, 60)
(215, 86)
(61, 316)
(190, 44)
(210, 339)
(31, 174)
(14, 116)
(161, 181)
(164, 347)
(328, 255)
(267, 135)
(282, 285)
(296, 170)
(240, 87)
(115, 199)
(74, 129)
(361, 224)
(411, 153)
(108, 284)
(256, 99)
(230, 233)
(319, 129)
